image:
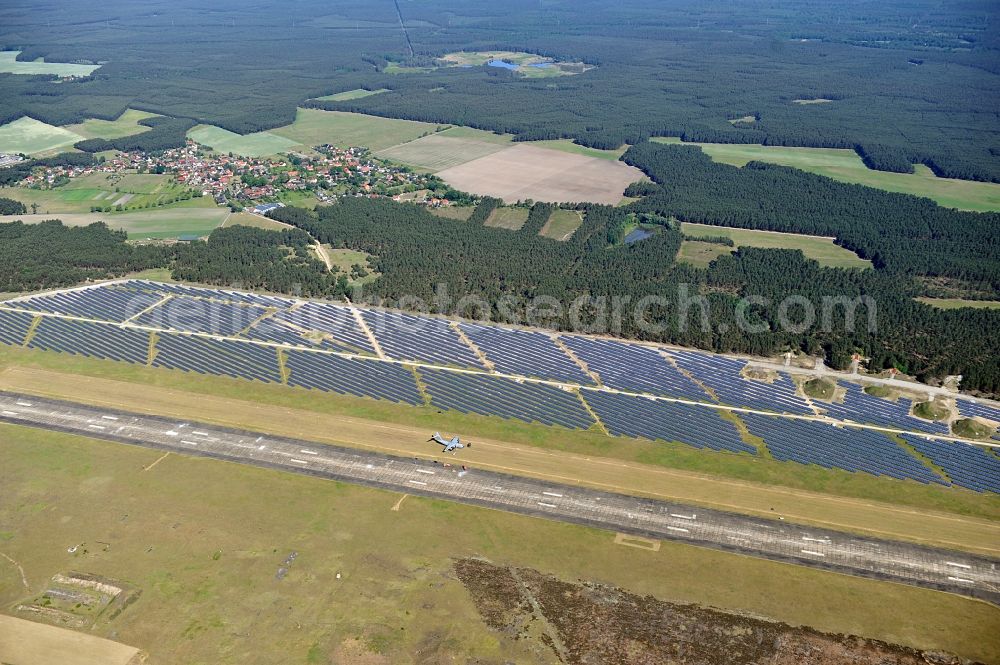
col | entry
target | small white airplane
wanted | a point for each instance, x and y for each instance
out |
(449, 446)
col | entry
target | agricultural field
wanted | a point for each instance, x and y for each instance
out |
(313, 127)
(256, 221)
(561, 224)
(347, 95)
(10, 65)
(330, 572)
(131, 191)
(259, 144)
(126, 124)
(821, 250)
(440, 151)
(511, 219)
(161, 223)
(958, 303)
(525, 171)
(567, 145)
(460, 213)
(846, 166)
(23, 642)
(34, 137)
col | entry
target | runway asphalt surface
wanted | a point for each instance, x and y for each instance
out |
(908, 563)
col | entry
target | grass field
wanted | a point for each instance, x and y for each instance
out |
(124, 125)
(561, 224)
(461, 213)
(846, 166)
(259, 144)
(440, 151)
(371, 581)
(342, 259)
(567, 145)
(23, 642)
(10, 65)
(32, 137)
(313, 127)
(347, 95)
(700, 254)
(810, 495)
(821, 249)
(957, 303)
(256, 221)
(511, 219)
(161, 223)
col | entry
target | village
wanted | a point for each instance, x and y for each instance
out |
(249, 182)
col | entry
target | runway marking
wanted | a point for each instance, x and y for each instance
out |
(961, 579)
(684, 517)
(817, 540)
(197, 433)
(10, 413)
(958, 565)
(812, 552)
(96, 426)
(547, 505)
(416, 482)
(299, 461)
(22, 403)
(171, 432)
(552, 494)
(309, 452)
(190, 443)
(427, 471)
(677, 528)
(110, 417)
(261, 447)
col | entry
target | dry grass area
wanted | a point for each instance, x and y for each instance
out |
(440, 151)
(561, 224)
(507, 218)
(523, 172)
(621, 465)
(460, 213)
(701, 254)
(25, 642)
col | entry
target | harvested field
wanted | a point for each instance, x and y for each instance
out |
(561, 224)
(597, 623)
(313, 127)
(34, 137)
(528, 172)
(507, 218)
(438, 151)
(25, 642)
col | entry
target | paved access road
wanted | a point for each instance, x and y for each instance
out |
(832, 550)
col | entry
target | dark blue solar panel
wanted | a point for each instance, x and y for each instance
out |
(497, 396)
(722, 375)
(633, 367)
(164, 288)
(335, 322)
(102, 304)
(187, 314)
(14, 327)
(421, 339)
(971, 409)
(95, 340)
(968, 466)
(350, 376)
(861, 407)
(813, 442)
(698, 426)
(525, 353)
(217, 356)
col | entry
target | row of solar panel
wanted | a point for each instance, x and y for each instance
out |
(307, 324)
(803, 441)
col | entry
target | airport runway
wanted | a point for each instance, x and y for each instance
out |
(917, 565)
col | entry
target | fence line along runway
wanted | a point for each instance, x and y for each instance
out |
(913, 564)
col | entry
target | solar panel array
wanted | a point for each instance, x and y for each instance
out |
(348, 376)
(497, 396)
(525, 353)
(812, 442)
(976, 409)
(968, 466)
(336, 321)
(14, 327)
(101, 304)
(94, 340)
(217, 356)
(861, 407)
(138, 285)
(420, 339)
(698, 426)
(633, 367)
(723, 376)
(186, 314)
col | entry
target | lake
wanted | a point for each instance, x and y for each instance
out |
(501, 63)
(636, 235)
